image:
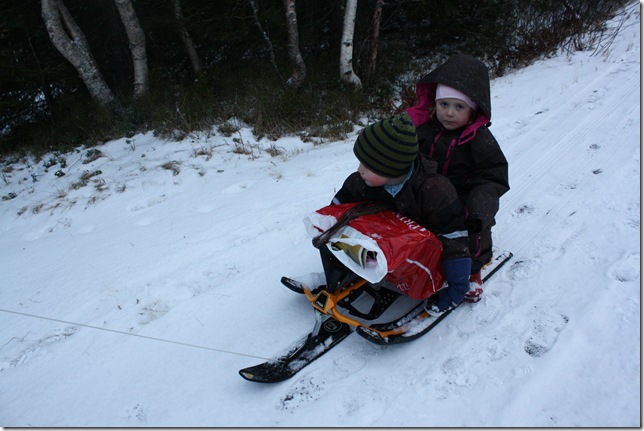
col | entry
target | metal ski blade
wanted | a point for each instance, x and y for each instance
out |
(413, 325)
(418, 322)
(497, 262)
(330, 333)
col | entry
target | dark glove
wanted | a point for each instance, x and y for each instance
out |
(474, 225)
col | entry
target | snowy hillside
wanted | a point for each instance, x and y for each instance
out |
(137, 284)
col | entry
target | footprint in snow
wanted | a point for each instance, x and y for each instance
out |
(137, 414)
(313, 385)
(545, 331)
(522, 269)
(346, 365)
(626, 269)
(455, 378)
(522, 211)
(593, 99)
(304, 391)
(236, 188)
(482, 313)
(152, 312)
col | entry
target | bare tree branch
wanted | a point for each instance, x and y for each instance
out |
(374, 37)
(195, 61)
(253, 5)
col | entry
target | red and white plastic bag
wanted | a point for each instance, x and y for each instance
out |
(383, 245)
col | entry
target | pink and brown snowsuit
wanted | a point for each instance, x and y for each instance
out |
(470, 156)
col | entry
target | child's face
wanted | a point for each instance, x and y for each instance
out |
(372, 179)
(453, 113)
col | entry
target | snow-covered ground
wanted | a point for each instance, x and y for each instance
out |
(134, 287)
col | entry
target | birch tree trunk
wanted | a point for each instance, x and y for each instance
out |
(299, 68)
(195, 61)
(346, 47)
(136, 37)
(253, 5)
(373, 39)
(70, 41)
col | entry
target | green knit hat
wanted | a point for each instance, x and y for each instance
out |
(389, 147)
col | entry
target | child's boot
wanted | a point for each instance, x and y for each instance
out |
(476, 289)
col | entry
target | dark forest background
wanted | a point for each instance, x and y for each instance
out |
(44, 105)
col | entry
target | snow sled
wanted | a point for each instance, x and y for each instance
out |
(379, 312)
(379, 268)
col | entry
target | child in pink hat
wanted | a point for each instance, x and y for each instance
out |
(452, 119)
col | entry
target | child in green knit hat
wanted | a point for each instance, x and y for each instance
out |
(392, 171)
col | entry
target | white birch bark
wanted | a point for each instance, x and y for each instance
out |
(136, 38)
(70, 41)
(299, 67)
(346, 47)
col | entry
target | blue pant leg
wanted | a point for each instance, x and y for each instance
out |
(457, 274)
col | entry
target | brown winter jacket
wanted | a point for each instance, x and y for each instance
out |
(470, 157)
(427, 198)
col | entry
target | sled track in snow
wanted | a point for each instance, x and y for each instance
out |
(598, 108)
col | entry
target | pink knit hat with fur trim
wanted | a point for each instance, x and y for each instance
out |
(445, 92)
